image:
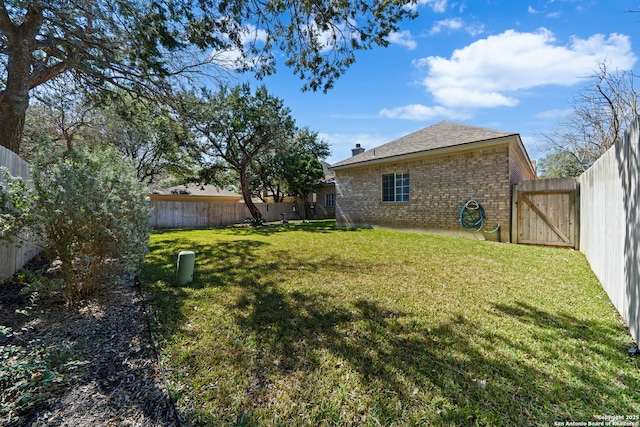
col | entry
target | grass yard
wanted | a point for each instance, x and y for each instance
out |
(313, 325)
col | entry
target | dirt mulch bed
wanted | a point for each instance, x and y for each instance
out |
(101, 356)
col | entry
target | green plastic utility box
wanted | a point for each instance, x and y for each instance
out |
(186, 262)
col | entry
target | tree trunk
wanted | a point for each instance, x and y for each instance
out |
(12, 125)
(307, 207)
(246, 193)
(14, 100)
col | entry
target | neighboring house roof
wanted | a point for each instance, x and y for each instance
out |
(329, 175)
(193, 189)
(442, 135)
(195, 193)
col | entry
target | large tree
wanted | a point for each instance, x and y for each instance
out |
(291, 168)
(138, 45)
(61, 114)
(559, 164)
(235, 126)
(601, 112)
(147, 134)
(304, 174)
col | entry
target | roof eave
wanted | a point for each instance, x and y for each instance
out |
(526, 155)
(436, 151)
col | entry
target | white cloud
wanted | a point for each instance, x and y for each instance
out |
(474, 30)
(330, 38)
(438, 6)
(533, 11)
(489, 72)
(422, 113)
(403, 38)
(467, 97)
(232, 59)
(554, 114)
(253, 34)
(454, 24)
(449, 24)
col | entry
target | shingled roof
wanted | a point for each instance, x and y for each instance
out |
(193, 189)
(441, 135)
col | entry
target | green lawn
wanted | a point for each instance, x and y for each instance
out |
(313, 325)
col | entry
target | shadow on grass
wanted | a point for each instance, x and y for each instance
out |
(312, 226)
(459, 370)
(540, 368)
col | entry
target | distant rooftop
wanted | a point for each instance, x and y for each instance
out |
(329, 175)
(198, 190)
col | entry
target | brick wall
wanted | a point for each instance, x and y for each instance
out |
(439, 187)
(322, 211)
(519, 166)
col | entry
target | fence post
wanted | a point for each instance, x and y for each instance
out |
(513, 238)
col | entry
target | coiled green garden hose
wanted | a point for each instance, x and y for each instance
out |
(472, 218)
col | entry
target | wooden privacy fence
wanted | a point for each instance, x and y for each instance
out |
(610, 224)
(13, 257)
(197, 214)
(546, 212)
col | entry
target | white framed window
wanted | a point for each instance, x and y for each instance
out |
(330, 200)
(395, 187)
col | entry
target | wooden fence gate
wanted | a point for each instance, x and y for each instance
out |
(546, 212)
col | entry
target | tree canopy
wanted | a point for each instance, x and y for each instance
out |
(140, 45)
(559, 164)
(291, 168)
(234, 127)
(147, 134)
(601, 112)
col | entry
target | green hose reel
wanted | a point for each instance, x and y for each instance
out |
(472, 218)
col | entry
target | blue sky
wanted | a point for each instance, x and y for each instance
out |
(508, 65)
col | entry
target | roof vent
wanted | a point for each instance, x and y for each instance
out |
(357, 150)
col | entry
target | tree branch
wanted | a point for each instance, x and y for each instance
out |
(6, 26)
(42, 73)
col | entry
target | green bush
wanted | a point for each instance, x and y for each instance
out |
(254, 222)
(15, 206)
(92, 214)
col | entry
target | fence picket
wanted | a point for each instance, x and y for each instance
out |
(610, 224)
(200, 214)
(13, 257)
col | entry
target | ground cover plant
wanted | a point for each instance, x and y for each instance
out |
(312, 325)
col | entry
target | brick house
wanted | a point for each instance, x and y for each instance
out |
(326, 200)
(422, 180)
(325, 195)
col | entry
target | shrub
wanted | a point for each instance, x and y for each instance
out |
(254, 222)
(90, 211)
(15, 206)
